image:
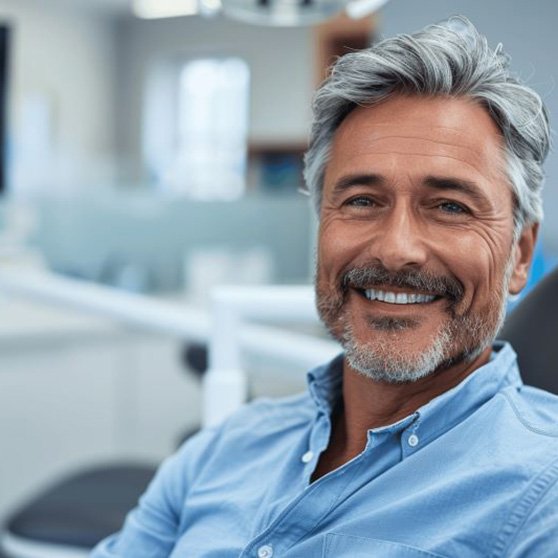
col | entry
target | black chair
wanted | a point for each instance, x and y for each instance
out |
(532, 329)
(72, 515)
(76, 512)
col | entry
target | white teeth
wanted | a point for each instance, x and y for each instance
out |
(397, 298)
(390, 297)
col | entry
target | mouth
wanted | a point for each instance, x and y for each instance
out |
(401, 298)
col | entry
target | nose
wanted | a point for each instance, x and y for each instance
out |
(402, 242)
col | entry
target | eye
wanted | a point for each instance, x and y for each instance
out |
(360, 201)
(452, 207)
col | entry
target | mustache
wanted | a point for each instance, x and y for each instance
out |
(376, 275)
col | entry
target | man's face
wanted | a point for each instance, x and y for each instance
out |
(416, 252)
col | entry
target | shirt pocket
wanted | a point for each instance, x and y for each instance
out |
(337, 545)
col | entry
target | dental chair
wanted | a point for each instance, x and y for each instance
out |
(69, 518)
(532, 329)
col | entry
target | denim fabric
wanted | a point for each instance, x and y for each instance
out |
(473, 473)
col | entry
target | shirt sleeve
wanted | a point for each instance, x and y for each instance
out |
(151, 529)
(538, 536)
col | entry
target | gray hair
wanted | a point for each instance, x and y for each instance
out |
(451, 59)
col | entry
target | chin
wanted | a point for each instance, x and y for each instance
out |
(387, 360)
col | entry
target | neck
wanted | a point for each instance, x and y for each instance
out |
(369, 404)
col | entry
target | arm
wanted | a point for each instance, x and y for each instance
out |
(537, 537)
(151, 529)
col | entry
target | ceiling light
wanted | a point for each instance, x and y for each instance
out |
(154, 9)
(259, 12)
(282, 12)
(210, 7)
(357, 9)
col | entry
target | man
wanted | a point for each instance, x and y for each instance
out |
(420, 440)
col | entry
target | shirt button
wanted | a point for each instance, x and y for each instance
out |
(413, 440)
(265, 551)
(307, 457)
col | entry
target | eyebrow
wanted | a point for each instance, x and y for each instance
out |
(352, 180)
(441, 183)
(464, 186)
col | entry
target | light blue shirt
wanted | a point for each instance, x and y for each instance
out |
(473, 473)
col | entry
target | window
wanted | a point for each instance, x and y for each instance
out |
(209, 140)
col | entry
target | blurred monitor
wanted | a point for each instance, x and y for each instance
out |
(4, 59)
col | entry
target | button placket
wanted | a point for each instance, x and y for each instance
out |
(412, 439)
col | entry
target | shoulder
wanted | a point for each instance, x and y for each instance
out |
(535, 409)
(523, 437)
(258, 423)
(530, 527)
(266, 419)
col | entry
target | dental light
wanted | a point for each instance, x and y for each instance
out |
(284, 13)
(157, 9)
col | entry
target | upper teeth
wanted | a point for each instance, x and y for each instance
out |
(397, 298)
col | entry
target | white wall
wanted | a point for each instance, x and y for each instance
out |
(280, 61)
(62, 60)
(77, 390)
(528, 33)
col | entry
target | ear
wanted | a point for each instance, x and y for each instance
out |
(523, 254)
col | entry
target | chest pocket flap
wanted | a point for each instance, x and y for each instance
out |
(337, 545)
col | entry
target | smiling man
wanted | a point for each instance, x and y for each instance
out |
(425, 166)
(416, 254)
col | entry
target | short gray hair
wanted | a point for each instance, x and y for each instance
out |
(448, 59)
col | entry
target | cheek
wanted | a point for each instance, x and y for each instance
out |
(346, 239)
(329, 249)
(479, 264)
(337, 249)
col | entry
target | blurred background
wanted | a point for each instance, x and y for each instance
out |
(158, 154)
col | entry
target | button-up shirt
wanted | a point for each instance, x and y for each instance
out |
(473, 473)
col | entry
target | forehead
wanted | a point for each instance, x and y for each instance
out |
(436, 134)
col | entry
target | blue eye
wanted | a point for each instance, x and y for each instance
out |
(360, 201)
(453, 207)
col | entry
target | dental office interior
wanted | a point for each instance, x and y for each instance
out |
(156, 248)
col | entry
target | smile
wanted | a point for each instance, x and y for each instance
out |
(397, 298)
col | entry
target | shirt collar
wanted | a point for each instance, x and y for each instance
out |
(451, 407)
(444, 411)
(325, 382)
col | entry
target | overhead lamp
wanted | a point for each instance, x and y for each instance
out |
(357, 9)
(286, 13)
(297, 12)
(156, 9)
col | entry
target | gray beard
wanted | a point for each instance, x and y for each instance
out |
(459, 339)
(383, 363)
